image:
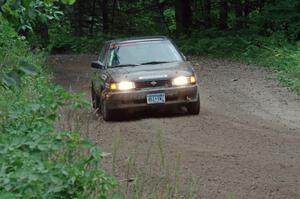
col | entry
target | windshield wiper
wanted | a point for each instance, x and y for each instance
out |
(155, 62)
(123, 65)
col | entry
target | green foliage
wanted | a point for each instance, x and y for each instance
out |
(24, 15)
(138, 18)
(12, 68)
(36, 161)
(171, 19)
(62, 40)
(281, 16)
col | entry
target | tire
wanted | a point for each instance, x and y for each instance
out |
(106, 113)
(95, 99)
(194, 107)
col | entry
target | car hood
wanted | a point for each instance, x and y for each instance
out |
(151, 72)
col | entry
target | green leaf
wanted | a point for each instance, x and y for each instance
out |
(16, 4)
(28, 68)
(12, 79)
(25, 3)
(96, 153)
(2, 2)
(70, 2)
(4, 194)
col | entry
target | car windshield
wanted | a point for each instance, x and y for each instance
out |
(137, 53)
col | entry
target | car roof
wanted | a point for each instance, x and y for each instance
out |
(138, 39)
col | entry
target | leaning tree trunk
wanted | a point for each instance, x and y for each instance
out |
(161, 13)
(78, 18)
(183, 16)
(92, 25)
(105, 19)
(42, 29)
(206, 13)
(238, 14)
(113, 18)
(223, 14)
(261, 4)
(247, 10)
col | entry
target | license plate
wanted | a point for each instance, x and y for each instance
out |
(159, 98)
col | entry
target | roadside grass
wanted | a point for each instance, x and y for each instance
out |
(275, 52)
(141, 174)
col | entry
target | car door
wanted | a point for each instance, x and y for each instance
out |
(99, 74)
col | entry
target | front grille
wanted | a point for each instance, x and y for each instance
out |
(153, 84)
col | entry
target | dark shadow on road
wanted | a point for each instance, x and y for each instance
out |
(135, 115)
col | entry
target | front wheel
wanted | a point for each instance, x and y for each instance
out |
(194, 107)
(106, 113)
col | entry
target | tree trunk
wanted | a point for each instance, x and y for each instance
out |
(93, 18)
(105, 19)
(261, 4)
(223, 14)
(246, 8)
(42, 29)
(183, 16)
(206, 13)
(161, 12)
(113, 18)
(238, 14)
(78, 15)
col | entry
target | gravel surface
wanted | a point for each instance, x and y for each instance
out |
(244, 144)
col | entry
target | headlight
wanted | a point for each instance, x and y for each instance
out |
(193, 79)
(182, 80)
(123, 86)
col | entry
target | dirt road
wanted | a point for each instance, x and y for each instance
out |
(244, 144)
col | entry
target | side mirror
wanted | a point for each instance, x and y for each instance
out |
(97, 65)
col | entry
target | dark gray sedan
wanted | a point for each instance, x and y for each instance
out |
(147, 72)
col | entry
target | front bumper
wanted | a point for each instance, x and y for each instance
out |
(137, 98)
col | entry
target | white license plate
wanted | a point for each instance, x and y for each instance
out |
(158, 98)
